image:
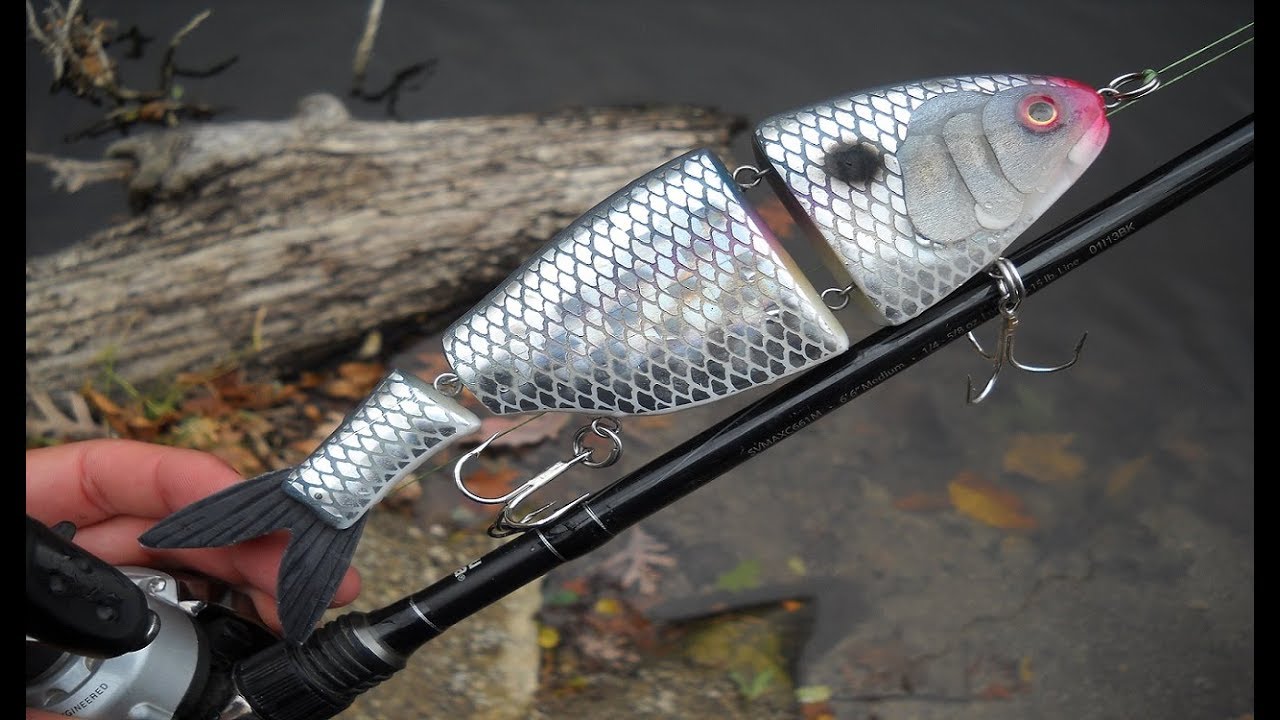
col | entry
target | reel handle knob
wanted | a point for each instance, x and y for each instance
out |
(79, 603)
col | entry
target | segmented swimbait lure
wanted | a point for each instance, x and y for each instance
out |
(673, 293)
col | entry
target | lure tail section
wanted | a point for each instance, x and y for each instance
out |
(322, 501)
(314, 561)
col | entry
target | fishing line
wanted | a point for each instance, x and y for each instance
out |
(1165, 83)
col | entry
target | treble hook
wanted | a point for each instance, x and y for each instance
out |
(505, 524)
(1012, 292)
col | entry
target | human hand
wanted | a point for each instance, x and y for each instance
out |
(115, 490)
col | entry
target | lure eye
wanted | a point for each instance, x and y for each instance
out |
(1039, 112)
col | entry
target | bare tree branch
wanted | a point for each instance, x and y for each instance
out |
(365, 48)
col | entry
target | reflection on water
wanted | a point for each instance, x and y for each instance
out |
(1080, 545)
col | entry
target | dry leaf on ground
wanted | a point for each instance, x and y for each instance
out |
(922, 502)
(1123, 476)
(519, 431)
(1044, 457)
(494, 482)
(355, 380)
(636, 565)
(988, 503)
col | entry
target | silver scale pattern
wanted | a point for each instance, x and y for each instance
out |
(899, 271)
(670, 293)
(399, 425)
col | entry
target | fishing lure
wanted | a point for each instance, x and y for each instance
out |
(673, 293)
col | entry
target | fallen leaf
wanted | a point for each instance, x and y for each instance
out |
(808, 694)
(197, 431)
(548, 637)
(366, 372)
(355, 380)
(792, 605)
(205, 405)
(102, 403)
(309, 379)
(796, 565)
(609, 650)
(240, 458)
(234, 389)
(403, 499)
(578, 586)
(153, 111)
(636, 565)
(744, 576)
(921, 502)
(345, 389)
(1186, 450)
(319, 433)
(1025, 673)
(370, 346)
(492, 483)
(989, 504)
(815, 702)
(995, 691)
(1044, 457)
(1123, 476)
(518, 432)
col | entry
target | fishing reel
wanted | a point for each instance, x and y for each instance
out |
(129, 642)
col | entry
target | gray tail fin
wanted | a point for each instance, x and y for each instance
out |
(314, 561)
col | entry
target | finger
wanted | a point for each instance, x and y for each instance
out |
(253, 563)
(265, 605)
(88, 481)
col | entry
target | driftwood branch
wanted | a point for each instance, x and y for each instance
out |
(71, 175)
(324, 228)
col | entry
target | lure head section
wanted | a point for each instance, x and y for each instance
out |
(918, 187)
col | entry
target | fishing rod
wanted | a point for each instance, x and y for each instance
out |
(358, 650)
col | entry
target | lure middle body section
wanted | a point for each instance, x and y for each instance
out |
(673, 293)
(669, 294)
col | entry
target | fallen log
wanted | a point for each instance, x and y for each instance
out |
(296, 237)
